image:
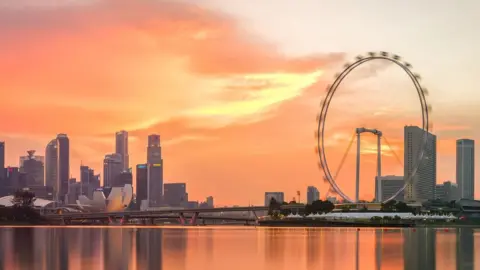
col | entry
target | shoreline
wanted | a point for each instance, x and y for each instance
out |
(362, 224)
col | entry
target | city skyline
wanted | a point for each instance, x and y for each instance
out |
(237, 117)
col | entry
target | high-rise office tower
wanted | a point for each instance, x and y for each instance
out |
(121, 147)
(142, 184)
(447, 191)
(88, 180)
(312, 194)
(155, 171)
(112, 168)
(423, 186)
(124, 178)
(387, 186)
(175, 194)
(3, 173)
(63, 166)
(51, 163)
(278, 196)
(466, 168)
(34, 167)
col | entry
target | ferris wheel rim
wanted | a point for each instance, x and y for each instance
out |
(331, 89)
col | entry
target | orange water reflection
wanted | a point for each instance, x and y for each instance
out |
(212, 248)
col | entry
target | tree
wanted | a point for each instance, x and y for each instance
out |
(23, 198)
(388, 206)
(286, 212)
(273, 206)
(363, 209)
(403, 207)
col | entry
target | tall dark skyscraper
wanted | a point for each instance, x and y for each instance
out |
(142, 183)
(51, 161)
(2, 161)
(155, 171)
(121, 148)
(175, 194)
(63, 166)
(112, 168)
(89, 181)
(466, 168)
(34, 168)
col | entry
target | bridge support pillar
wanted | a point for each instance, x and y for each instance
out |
(123, 220)
(182, 220)
(256, 216)
(193, 220)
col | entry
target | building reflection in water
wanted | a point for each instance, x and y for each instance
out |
(313, 248)
(175, 247)
(304, 249)
(465, 249)
(275, 241)
(388, 249)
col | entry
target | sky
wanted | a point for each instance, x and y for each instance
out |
(234, 87)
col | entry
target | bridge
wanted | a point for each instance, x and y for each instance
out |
(149, 216)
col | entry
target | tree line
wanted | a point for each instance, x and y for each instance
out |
(316, 207)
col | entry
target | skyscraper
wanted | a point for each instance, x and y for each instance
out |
(112, 168)
(447, 191)
(387, 186)
(142, 184)
(121, 147)
(466, 168)
(2, 161)
(51, 163)
(34, 168)
(89, 181)
(423, 186)
(63, 166)
(175, 194)
(155, 171)
(278, 196)
(312, 194)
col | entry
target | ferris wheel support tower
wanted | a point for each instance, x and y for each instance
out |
(377, 133)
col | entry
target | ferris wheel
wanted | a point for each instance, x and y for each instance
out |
(322, 117)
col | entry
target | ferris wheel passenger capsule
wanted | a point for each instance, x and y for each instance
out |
(371, 54)
(359, 57)
(396, 57)
(384, 53)
(408, 65)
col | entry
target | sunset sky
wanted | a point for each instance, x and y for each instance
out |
(233, 86)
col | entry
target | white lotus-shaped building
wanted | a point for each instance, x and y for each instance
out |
(107, 199)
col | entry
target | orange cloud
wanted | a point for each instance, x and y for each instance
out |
(235, 114)
(92, 69)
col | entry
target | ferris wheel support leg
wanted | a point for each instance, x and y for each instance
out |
(357, 180)
(379, 156)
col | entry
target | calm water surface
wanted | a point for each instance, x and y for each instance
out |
(231, 248)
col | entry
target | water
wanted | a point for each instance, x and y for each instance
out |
(235, 248)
